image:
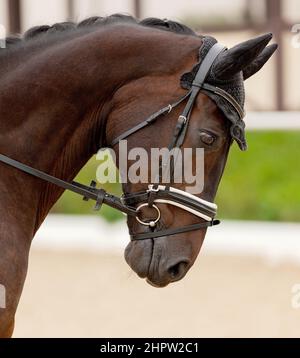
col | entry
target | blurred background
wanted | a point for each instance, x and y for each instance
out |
(242, 284)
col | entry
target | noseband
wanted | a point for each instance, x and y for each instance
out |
(133, 203)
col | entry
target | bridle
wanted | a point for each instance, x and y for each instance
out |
(133, 203)
(166, 194)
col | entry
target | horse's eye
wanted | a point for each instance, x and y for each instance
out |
(207, 138)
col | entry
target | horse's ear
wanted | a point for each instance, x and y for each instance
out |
(260, 60)
(239, 57)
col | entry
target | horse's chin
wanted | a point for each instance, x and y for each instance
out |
(156, 285)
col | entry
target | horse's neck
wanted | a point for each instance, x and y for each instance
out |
(55, 104)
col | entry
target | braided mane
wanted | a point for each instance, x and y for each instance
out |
(45, 32)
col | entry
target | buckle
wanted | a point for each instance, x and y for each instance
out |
(100, 199)
(152, 189)
(183, 119)
(122, 199)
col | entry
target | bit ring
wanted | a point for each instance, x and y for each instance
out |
(151, 223)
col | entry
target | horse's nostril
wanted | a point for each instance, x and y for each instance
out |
(178, 270)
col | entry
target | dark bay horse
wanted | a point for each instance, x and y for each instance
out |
(67, 89)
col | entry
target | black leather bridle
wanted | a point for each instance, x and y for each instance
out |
(132, 204)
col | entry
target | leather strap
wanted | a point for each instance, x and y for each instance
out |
(206, 64)
(174, 231)
(88, 192)
(184, 118)
(151, 119)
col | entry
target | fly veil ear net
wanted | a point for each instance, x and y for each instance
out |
(234, 87)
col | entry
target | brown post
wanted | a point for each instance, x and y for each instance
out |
(137, 8)
(274, 16)
(14, 13)
(70, 10)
